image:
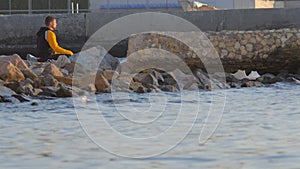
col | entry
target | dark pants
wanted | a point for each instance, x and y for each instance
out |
(52, 57)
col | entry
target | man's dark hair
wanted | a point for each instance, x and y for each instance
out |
(48, 20)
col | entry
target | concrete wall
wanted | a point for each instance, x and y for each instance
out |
(292, 4)
(244, 4)
(17, 33)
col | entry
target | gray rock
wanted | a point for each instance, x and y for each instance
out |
(64, 92)
(6, 95)
(48, 91)
(38, 68)
(47, 80)
(109, 63)
(61, 61)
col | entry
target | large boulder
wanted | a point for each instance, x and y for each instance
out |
(53, 70)
(16, 60)
(47, 80)
(20, 64)
(9, 73)
(98, 58)
(61, 61)
(48, 91)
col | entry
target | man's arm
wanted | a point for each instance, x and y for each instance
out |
(54, 45)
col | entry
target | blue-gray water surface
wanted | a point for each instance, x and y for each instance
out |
(260, 128)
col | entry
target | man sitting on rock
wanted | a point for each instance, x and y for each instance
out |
(47, 46)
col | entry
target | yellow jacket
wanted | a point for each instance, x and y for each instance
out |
(51, 38)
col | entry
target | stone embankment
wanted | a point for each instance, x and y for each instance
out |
(265, 51)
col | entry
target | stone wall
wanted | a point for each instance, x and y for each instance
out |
(267, 51)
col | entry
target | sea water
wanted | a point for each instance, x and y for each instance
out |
(259, 128)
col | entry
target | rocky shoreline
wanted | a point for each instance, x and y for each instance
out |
(21, 81)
